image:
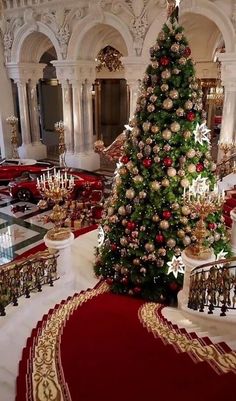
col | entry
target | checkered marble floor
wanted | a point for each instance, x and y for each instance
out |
(21, 226)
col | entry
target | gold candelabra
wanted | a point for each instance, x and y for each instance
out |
(56, 188)
(12, 121)
(60, 129)
(226, 147)
(202, 202)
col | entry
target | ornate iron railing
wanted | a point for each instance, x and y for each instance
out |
(25, 276)
(226, 166)
(213, 285)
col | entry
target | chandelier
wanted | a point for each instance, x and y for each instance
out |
(109, 58)
(216, 93)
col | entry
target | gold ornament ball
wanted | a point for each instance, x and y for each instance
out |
(124, 222)
(154, 64)
(133, 122)
(155, 218)
(184, 183)
(110, 211)
(146, 126)
(166, 134)
(188, 105)
(155, 129)
(213, 166)
(155, 185)
(175, 126)
(150, 108)
(167, 104)
(171, 172)
(130, 193)
(171, 243)
(181, 233)
(184, 220)
(176, 71)
(136, 262)
(165, 182)
(185, 210)
(164, 87)
(118, 181)
(149, 247)
(191, 153)
(148, 141)
(187, 134)
(191, 168)
(164, 224)
(123, 241)
(188, 229)
(138, 179)
(135, 132)
(186, 240)
(161, 252)
(153, 98)
(208, 155)
(150, 90)
(180, 112)
(175, 48)
(174, 94)
(175, 206)
(194, 85)
(166, 74)
(157, 159)
(129, 165)
(156, 149)
(177, 251)
(178, 36)
(139, 155)
(182, 61)
(142, 195)
(123, 171)
(122, 211)
(162, 36)
(113, 219)
(135, 170)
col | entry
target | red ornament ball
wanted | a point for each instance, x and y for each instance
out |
(167, 161)
(190, 116)
(131, 225)
(187, 52)
(113, 247)
(109, 281)
(137, 290)
(125, 281)
(199, 167)
(173, 286)
(164, 61)
(212, 226)
(147, 163)
(166, 214)
(125, 159)
(159, 238)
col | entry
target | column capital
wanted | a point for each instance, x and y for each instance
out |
(228, 70)
(23, 72)
(75, 70)
(134, 67)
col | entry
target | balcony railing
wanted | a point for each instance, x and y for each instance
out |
(20, 278)
(226, 166)
(213, 286)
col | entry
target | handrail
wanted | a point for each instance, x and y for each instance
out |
(23, 276)
(214, 287)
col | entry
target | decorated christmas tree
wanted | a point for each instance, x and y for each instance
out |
(146, 223)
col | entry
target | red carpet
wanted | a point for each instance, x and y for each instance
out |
(99, 346)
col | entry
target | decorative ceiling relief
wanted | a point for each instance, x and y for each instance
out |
(8, 28)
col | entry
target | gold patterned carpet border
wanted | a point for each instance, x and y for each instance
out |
(46, 372)
(221, 361)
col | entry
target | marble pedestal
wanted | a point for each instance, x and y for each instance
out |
(85, 160)
(35, 150)
(190, 264)
(64, 263)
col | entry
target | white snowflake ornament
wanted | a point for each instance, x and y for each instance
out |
(101, 236)
(221, 255)
(201, 133)
(199, 186)
(176, 266)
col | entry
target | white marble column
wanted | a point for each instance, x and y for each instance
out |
(67, 115)
(24, 112)
(228, 76)
(77, 91)
(134, 72)
(88, 115)
(33, 110)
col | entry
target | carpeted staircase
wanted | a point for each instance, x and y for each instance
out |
(104, 347)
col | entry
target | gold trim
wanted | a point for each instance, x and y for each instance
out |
(222, 362)
(47, 373)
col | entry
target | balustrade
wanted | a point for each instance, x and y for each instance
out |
(25, 276)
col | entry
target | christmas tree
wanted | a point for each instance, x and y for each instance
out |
(146, 224)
